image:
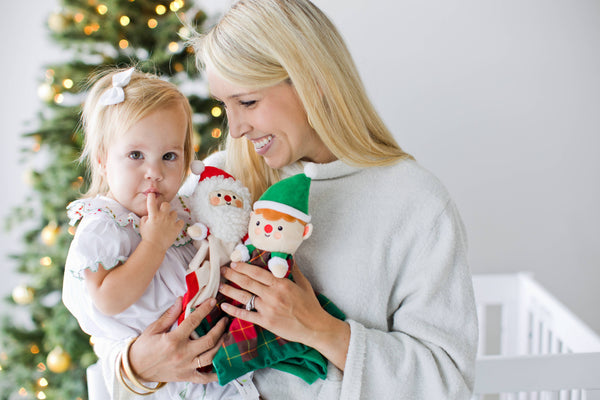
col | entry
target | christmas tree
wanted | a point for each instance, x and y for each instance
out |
(46, 357)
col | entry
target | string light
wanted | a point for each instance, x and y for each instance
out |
(34, 349)
(152, 23)
(78, 17)
(46, 261)
(41, 367)
(124, 20)
(175, 6)
(123, 44)
(178, 67)
(41, 395)
(42, 382)
(216, 133)
(173, 47)
(67, 83)
(102, 9)
(216, 112)
(59, 98)
(72, 230)
(160, 9)
(22, 392)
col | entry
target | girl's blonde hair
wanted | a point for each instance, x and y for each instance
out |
(261, 43)
(144, 94)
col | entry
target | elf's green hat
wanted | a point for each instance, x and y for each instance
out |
(289, 196)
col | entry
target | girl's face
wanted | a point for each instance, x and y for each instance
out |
(149, 157)
(273, 119)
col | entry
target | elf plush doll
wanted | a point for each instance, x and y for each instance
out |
(278, 225)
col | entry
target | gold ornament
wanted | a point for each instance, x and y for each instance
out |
(50, 233)
(58, 360)
(22, 294)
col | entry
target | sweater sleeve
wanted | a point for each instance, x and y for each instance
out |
(429, 349)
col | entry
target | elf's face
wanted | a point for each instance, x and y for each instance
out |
(280, 235)
(149, 157)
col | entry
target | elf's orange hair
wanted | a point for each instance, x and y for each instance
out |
(273, 215)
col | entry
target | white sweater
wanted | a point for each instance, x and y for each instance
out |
(389, 249)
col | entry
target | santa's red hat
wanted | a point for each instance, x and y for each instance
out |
(207, 172)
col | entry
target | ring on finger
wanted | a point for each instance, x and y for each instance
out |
(250, 303)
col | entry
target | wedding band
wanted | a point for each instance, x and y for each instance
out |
(250, 303)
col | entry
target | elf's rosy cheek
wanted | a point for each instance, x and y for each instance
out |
(257, 231)
(239, 203)
(214, 200)
(277, 235)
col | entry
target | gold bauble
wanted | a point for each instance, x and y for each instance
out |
(58, 360)
(50, 233)
(22, 294)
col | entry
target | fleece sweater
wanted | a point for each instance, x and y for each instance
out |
(389, 249)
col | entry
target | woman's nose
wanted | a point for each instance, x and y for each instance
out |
(238, 126)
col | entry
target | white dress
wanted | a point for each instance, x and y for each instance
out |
(106, 236)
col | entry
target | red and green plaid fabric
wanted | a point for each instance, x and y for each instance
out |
(248, 347)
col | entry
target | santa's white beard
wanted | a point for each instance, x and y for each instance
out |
(228, 223)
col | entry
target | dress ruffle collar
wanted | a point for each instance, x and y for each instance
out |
(81, 208)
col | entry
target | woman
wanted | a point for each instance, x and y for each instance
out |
(388, 247)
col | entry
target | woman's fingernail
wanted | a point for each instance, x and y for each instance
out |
(212, 302)
(234, 265)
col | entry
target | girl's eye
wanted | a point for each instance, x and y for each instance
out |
(280, 228)
(170, 156)
(136, 155)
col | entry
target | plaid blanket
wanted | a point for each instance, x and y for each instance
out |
(248, 347)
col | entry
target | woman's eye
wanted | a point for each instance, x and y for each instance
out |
(136, 155)
(170, 157)
(248, 103)
(280, 228)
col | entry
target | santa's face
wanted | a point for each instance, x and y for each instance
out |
(225, 198)
(279, 236)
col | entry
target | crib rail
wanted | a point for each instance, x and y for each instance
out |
(531, 346)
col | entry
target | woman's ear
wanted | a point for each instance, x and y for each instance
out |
(308, 228)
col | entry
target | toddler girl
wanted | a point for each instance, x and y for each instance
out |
(127, 262)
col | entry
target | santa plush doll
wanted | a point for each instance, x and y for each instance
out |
(220, 210)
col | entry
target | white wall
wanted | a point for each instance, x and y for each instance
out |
(499, 99)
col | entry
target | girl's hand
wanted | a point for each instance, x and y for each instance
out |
(161, 355)
(161, 226)
(288, 309)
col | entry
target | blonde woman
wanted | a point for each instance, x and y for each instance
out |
(388, 247)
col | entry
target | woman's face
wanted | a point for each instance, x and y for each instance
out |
(273, 119)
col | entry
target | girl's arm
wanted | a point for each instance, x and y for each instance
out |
(114, 290)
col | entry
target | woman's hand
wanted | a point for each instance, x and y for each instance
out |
(288, 309)
(161, 355)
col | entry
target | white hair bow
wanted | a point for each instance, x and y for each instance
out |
(115, 94)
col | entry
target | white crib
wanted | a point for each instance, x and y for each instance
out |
(531, 347)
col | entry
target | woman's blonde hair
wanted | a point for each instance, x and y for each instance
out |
(260, 43)
(144, 94)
